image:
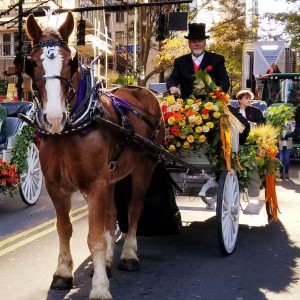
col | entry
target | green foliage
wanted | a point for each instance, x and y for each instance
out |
(126, 80)
(278, 116)
(19, 151)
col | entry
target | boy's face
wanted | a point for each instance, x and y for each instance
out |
(245, 101)
(197, 46)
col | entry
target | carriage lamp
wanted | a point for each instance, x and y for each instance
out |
(81, 33)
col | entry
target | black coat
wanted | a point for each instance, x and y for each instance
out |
(254, 114)
(183, 71)
(244, 121)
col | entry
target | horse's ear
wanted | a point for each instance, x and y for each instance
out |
(67, 27)
(33, 29)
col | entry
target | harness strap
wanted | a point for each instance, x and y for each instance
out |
(126, 107)
(128, 138)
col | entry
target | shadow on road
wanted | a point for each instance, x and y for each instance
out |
(190, 266)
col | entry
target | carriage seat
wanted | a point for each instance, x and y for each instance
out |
(12, 126)
(15, 108)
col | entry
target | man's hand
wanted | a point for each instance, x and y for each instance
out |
(175, 91)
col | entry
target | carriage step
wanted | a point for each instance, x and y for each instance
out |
(253, 207)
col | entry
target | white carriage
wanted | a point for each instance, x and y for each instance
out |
(31, 180)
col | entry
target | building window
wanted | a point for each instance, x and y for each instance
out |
(7, 44)
(120, 17)
(120, 37)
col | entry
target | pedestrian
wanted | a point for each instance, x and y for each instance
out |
(285, 146)
(181, 81)
(273, 69)
(3, 116)
(253, 114)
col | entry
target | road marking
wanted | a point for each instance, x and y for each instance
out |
(39, 234)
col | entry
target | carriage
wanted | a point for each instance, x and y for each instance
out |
(93, 139)
(31, 179)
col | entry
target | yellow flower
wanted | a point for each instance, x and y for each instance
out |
(198, 129)
(205, 116)
(171, 121)
(170, 98)
(202, 138)
(182, 122)
(198, 120)
(171, 148)
(216, 114)
(186, 145)
(190, 101)
(179, 101)
(190, 138)
(210, 124)
(209, 105)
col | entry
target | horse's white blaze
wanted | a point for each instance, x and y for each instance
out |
(53, 108)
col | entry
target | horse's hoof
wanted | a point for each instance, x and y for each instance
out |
(60, 283)
(129, 265)
(108, 272)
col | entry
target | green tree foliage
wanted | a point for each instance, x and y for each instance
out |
(289, 22)
(228, 38)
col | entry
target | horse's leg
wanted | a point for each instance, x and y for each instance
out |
(111, 221)
(129, 260)
(63, 277)
(98, 206)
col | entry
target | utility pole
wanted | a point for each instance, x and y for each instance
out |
(19, 60)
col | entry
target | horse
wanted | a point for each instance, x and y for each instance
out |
(89, 158)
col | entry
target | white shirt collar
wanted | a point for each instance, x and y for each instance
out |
(197, 60)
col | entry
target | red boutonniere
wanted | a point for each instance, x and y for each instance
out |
(209, 68)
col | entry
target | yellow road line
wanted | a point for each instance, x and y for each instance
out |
(37, 235)
(38, 227)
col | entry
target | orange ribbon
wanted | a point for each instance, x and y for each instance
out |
(271, 195)
(226, 141)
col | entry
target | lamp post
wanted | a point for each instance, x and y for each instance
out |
(18, 59)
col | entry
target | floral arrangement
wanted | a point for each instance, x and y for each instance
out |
(190, 124)
(9, 178)
(262, 141)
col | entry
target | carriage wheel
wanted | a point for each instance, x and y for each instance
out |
(228, 208)
(32, 179)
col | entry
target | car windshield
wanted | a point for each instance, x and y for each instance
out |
(281, 88)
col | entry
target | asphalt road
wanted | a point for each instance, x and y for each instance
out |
(264, 265)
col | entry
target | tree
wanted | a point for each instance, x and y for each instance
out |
(289, 22)
(229, 37)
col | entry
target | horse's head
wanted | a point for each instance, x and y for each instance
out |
(52, 69)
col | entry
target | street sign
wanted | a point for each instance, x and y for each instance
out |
(3, 87)
(128, 48)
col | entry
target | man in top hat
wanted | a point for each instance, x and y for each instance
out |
(180, 83)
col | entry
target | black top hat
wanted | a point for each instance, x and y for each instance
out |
(197, 32)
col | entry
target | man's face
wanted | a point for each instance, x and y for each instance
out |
(197, 46)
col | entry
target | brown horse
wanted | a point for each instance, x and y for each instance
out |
(79, 157)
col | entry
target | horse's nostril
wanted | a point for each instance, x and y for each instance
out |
(45, 120)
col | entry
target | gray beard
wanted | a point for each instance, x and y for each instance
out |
(197, 52)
